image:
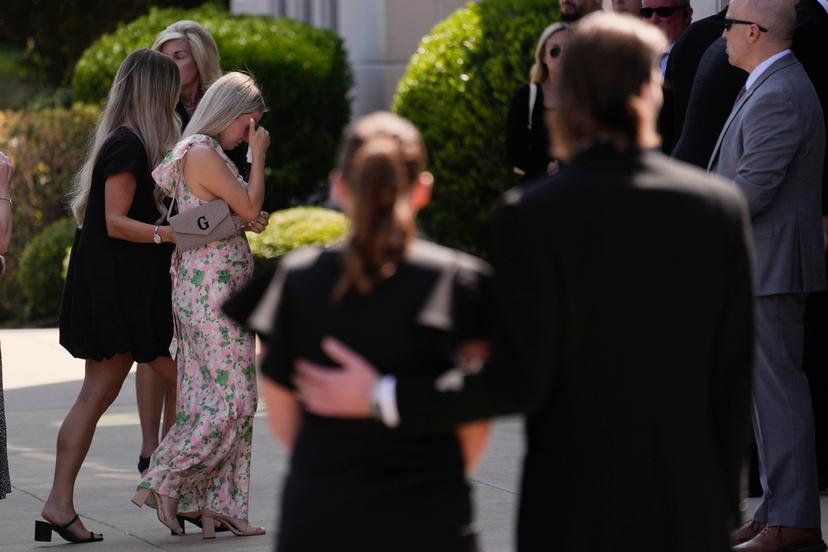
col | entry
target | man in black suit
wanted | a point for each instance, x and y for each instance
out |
(623, 330)
(715, 87)
(672, 17)
(683, 62)
(809, 48)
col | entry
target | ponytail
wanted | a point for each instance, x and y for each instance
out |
(382, 159)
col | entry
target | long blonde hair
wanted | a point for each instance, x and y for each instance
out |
(202, 46)
(539, 73)
(142, 98)
(229, 97)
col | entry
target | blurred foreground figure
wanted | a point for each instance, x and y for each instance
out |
(623, 326)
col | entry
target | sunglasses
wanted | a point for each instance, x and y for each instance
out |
(730, 22)
(663, 11)
(555, 51)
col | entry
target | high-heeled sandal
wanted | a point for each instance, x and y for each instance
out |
(43, 532)
(209, 521)
(140, 499)
(197, 521)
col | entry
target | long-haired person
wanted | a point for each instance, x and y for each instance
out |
(116, 302)
(407, 305)
(196, 55)
(201, 469)
(527, 130)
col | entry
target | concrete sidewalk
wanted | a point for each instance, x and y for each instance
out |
(41, 382)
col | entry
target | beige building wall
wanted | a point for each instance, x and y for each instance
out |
(380, 36)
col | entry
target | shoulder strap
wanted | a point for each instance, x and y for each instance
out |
(533, 95)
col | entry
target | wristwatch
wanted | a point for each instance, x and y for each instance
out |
(156, 237)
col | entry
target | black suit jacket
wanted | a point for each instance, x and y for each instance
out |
(683, 62)
(715, 87)
(528, 150)
(624, 333)
(809, 48)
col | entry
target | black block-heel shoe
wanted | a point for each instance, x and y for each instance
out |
(43, 532)
(143, 463)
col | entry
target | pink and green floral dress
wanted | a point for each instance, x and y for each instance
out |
(204, 460)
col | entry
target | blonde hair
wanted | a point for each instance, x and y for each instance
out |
(539, 73)
(381, 159)
(202, 46)
(142, 98)
(229, 97)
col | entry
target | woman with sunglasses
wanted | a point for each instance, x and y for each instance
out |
(527, 133)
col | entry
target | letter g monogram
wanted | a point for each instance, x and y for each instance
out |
(203, 223)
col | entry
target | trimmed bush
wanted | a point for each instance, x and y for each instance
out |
(55, 34)
(294, 228)
(47, 148)
(457, 90)
(41, 274)
(303, 72)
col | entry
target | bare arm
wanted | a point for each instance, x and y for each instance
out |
(209, 178)
(474, 436)
(6, 171)
(119, 192)
(283, 412)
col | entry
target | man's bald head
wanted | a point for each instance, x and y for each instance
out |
(777, 16)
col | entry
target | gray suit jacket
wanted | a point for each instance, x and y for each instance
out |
(772, 147)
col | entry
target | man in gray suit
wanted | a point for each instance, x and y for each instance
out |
(772, 147)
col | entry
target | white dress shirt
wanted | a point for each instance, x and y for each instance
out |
(762, 67)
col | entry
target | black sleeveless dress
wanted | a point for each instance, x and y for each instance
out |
(117, 297)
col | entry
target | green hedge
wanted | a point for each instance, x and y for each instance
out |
(294, 228)
(303, 72)
(53, 34)
(41, 274)
(457, 90)
(47, 148)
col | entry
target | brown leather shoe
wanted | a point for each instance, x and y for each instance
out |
(746, 532)
(784, 539)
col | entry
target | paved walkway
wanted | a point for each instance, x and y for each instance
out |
(41, 382)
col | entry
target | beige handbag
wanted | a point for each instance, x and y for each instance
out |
(201, 225)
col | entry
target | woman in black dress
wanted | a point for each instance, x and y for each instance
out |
(196, 55)
(410, 306)
(527, 130)
(116, 306)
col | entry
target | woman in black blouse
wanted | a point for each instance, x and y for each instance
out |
(116, 302)
(410, 306)
(527, 135)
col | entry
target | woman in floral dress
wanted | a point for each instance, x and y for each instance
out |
(202, 466)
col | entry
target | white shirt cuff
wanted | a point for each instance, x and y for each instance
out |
(385, 396)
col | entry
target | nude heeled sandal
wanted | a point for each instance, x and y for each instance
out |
(209, 520)
(140, 499)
